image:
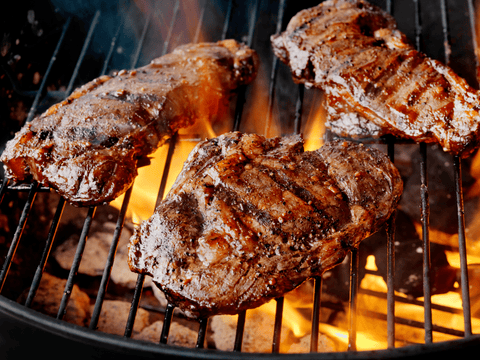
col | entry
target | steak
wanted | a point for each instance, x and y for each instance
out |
(249, 219)
(374, 80)
(88, 146)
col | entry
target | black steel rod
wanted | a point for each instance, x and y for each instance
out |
(134, 306)
(446, 32)
(167, 321)
(198, 31)
(472, 14)
(83, 52)
(317, 295)
(113, 43)
(43, 84)
(464, 283)
(46, 253)
(166, 169)
(273, 73)
(102, 289)
(18, 234)
(228, 17)
(202, 333)
(391, 282)
(413, 323)
(389, 6)
(237, 346)
(425, 219)
(166, 43)
(241, 97)
(138, 50)
(277, 329)
(406, 300)
(62, 309)
(3, 190)
(299, 109)
(352, 302)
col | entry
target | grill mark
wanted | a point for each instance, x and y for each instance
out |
(240, 206)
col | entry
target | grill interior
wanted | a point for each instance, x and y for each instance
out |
(63, 45)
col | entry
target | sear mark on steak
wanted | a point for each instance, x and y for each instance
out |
(87, 147)
(374, 80)
(249, 219)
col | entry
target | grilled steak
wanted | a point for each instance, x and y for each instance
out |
(249, 219)
(87, 147)
(371, 73)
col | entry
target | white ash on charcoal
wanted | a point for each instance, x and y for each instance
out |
(258, 334)
(303, 345)
(114, 315)
(96, 252)
(178, 335)
(49, 295)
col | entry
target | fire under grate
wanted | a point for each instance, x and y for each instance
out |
(128, 43)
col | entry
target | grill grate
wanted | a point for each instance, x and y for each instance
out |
(255, 12)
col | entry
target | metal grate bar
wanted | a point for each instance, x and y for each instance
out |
(202, 332)
(171, 146)
(167, 321)
(76, 263)
(277, 329)
(18, 234)
(170, 29)
(391, 266)
(241, 93)
(425, 218)
(200, 22)
(134, 307)
(141, 277)
(228, 17)
(446, 32)
(46, 252)
(43, 84)
(317, 294)
(136, 54)
(467, 317)
(299, 109)
(352, 302)
(3, 189)
(237, 346)
(273, 73)
(391, 247)
(113, 43)
(425, 207)
(473, 27)
(83, 52)
(407, 300)
(413, 323)
(109, 263)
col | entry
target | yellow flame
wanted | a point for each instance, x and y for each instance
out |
(147, 183)
(315, 125)
(291, 318)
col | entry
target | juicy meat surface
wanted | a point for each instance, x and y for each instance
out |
(87, 147)
(249, 219)
(374, 80)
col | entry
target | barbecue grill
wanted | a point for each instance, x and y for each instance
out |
(83, 40)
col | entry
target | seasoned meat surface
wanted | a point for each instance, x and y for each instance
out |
(374, 80)
(87, 146)
(249, 219)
